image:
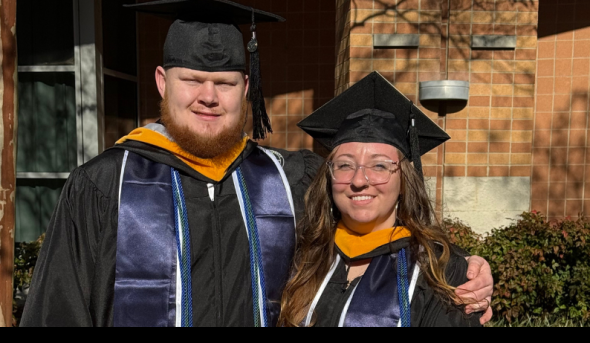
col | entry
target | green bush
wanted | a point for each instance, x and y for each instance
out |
(25, 259)
(541, 269)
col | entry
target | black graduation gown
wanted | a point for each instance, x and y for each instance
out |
(74, 281)
(428, 310)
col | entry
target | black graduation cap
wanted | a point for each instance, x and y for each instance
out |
(374, 111)
(205, 36)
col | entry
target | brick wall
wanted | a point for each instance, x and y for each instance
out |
(298, 61)
(492, 135)
(561, 157)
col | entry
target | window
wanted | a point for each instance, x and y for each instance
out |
(119, 34)
(64, 91)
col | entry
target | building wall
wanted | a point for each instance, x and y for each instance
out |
(519, 144)
(561, 156)
(297, 59)
(492, 135)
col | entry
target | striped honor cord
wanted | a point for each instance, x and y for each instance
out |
(403, 287)
(184, 250)
(256, 268)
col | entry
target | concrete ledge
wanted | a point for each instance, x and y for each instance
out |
(396, 41)
(493, 42)
(444, 90)
(486, 203)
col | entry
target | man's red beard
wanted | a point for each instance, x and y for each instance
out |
(203, 146)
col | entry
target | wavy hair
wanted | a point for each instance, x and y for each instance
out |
(316, 247)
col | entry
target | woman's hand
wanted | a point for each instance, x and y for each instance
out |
(481, 287)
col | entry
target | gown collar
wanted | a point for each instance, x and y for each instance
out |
(354, 247)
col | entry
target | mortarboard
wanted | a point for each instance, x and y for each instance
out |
(205, 37)
(374, 111)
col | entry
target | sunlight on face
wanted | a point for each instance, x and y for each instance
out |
(367, 208)
(206, 103)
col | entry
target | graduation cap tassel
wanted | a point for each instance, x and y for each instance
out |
(415, 143)
(260, 117)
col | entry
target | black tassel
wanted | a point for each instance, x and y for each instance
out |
(259, 116)
(415, 143)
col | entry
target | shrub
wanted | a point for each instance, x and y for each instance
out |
(25, 259)
(541, 268)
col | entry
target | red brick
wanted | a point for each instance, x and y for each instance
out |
(478, 148)
(562, 102)
(526, 30)
(540, 205)
(500, 124)
(499, 101)
(499, 147)
(563, 85)
(582, 49)
(454, 171)
(557, 190)
(545, 85)
(504, 55)
(526, 54)
(558, 156)
(479, 101)
(406, 77)
(546, 68)
(565, 49)
(482, 55)
(579, 120)
(540, 190)
(430, 53)
(522, 148)
(545, 104)
(483, 29)
(564, 68)
(576, 156)
(524, 102)
(460, 29)
(581, 67)
(542, 138)
(499, 171)
(460, 76)
(481, 78)
(524, 79)
(546, 50)
(383, 53)
(561, 121)
(543, 121)
(541, 156)
(520, 171)
(479, 124)
(577, 138)
(456, 147)
(477, 171)
(456, 124)
(458, 54)
(560, 138)
(503, 79)
(540, 173)
(573, 208)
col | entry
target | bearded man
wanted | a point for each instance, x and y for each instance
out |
(186, 222)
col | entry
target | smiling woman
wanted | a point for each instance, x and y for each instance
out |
(371, 251)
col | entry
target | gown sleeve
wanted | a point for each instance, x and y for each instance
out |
(60, 294)
(301, 168)
(431, 310)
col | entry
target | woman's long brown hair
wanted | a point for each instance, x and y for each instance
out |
(316, 248)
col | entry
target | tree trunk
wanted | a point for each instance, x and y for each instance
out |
(8, 128)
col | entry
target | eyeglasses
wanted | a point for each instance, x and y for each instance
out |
(376, 173)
